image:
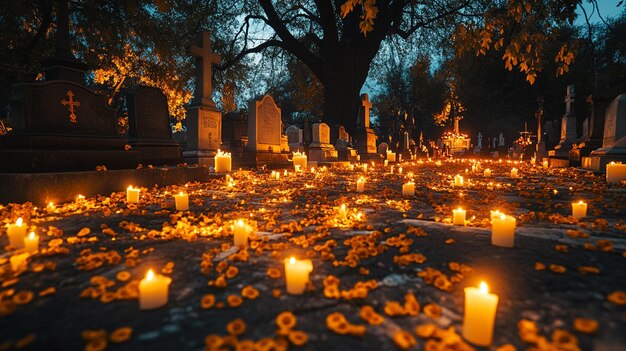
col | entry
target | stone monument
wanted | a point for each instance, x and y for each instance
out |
(593, 128)
(204, 121)
(235, 134)
(343, 144)
(365, 137)
(614, 142)
(559, 157)
(321, 150)
(149, 127)
(294, 137)
(265, 133)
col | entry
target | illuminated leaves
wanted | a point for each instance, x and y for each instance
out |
(369, 11)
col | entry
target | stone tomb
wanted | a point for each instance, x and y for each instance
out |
(382, 149)
(593, 128)
(321, 150)
(62, 126)
(294, 137)
(559, 157)
(365, 137)
(343, 144)
(264, 133)
(149, 127)
(614, 142)
(234, 133)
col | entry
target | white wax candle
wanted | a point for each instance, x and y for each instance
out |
(153, 291)
(458, 180)
(391, 156)
(132, 195)
(514, 173)
(296, 168)
(365, 167)
(19, 262)
(297, 275)
(399, 170)
(458, 216)
(579, 209)
(545, 164)
(360, 185)
(386, 163)
(182, 201)
(487, 173)
(16, 233)
(223, 162)
(343, 211)
(31, 243)
(479, 315)
(299, 159)
(503, 230)
(615, 173)
(408, 189)
(240, 233)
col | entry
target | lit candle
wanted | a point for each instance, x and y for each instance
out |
(297, 275)
(615, 173)
(514, 173)
(240, 232)
(408, 188)
(132, 195)
(153, 290)
(487, 173)
(360, 185)
(343, 212)
(579, 209)
(223, 162)
(31, 243)
(458, 216)
(182, 201)
(386, 163)
(391, 156)
(480, 315)
(297, 168)
(19, 262)
(458, 180)
(365, 167)
(16, 233)
(399, 170)
(299, 159)
(503, 230)
(545, 164)
(533, 160)
(351, 167)
(50, 207)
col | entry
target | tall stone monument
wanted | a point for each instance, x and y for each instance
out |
(59, 124)
(594, 131)
(614, 142)
(365, 137)
(204, 121)
(559, 157)
(540, 148)
(265, 133)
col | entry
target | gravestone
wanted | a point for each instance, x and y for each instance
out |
(343, 144)
(382, 149)
(365, 137)
(204, 121)
(321, 150)
(559, 156)
(264, 133)
(294, 137)
(59, 124)
(593, 128)
(149, 127)
(235, 134)
(614, 140)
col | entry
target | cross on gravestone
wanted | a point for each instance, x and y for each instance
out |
(365, 117)
(71, 103)
(205, 59)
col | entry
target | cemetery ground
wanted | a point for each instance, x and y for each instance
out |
(389, 275)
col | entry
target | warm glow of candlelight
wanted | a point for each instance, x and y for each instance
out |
(19, 222)
(292, 260)
(150, 275)
(484, 288)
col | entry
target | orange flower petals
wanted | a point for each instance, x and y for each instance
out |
(236, 327)
(120, 335)
(586, 325)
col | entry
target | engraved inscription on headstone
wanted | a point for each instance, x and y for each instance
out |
(268, 119)
(210, 136)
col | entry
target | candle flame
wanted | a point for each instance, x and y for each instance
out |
(459, 209)
(240, 223)
(580, 202)
(292, 260)
(503, 216)
(130, 187)
(484, 289)
(180, 194)
(50, 204)
(19, 222)
(150, 275)
(343, 207)
(31, 236)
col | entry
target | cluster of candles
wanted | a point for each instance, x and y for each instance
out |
(299, 161)
(18, 238)
(391, 156)
(223, 162)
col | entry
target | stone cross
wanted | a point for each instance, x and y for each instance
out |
(569, 100)
(205, 59)
(71, 103)
(365, 102)
(456, 125)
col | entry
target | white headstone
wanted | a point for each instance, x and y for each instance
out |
(264, 125)
(615, 123)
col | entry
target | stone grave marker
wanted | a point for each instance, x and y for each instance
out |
(614, 142)
(294, 137)
(265, 133)
(365, 137)
(382, 149)
(321, 150)
(149, 127)
(559, 157)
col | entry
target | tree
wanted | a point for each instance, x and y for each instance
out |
(347, 35)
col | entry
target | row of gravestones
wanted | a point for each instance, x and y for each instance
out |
(604, 133)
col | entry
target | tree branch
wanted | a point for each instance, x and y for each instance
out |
(405, 34)
(257, 49)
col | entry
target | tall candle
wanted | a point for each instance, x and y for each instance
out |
(240, 233)
(132, 195)
(31, 243)
(514, 173)
(579, 209)
(153, 291)
(615, 173)
(479, 315)
(503, 230)
(182, 201)
(458, 216)
(16, 233)
(297, 275)
(458, 180)
(360, 185)
(487, 173)
(408, 189)
(223, 162)
(391, 156)
(299, 159)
